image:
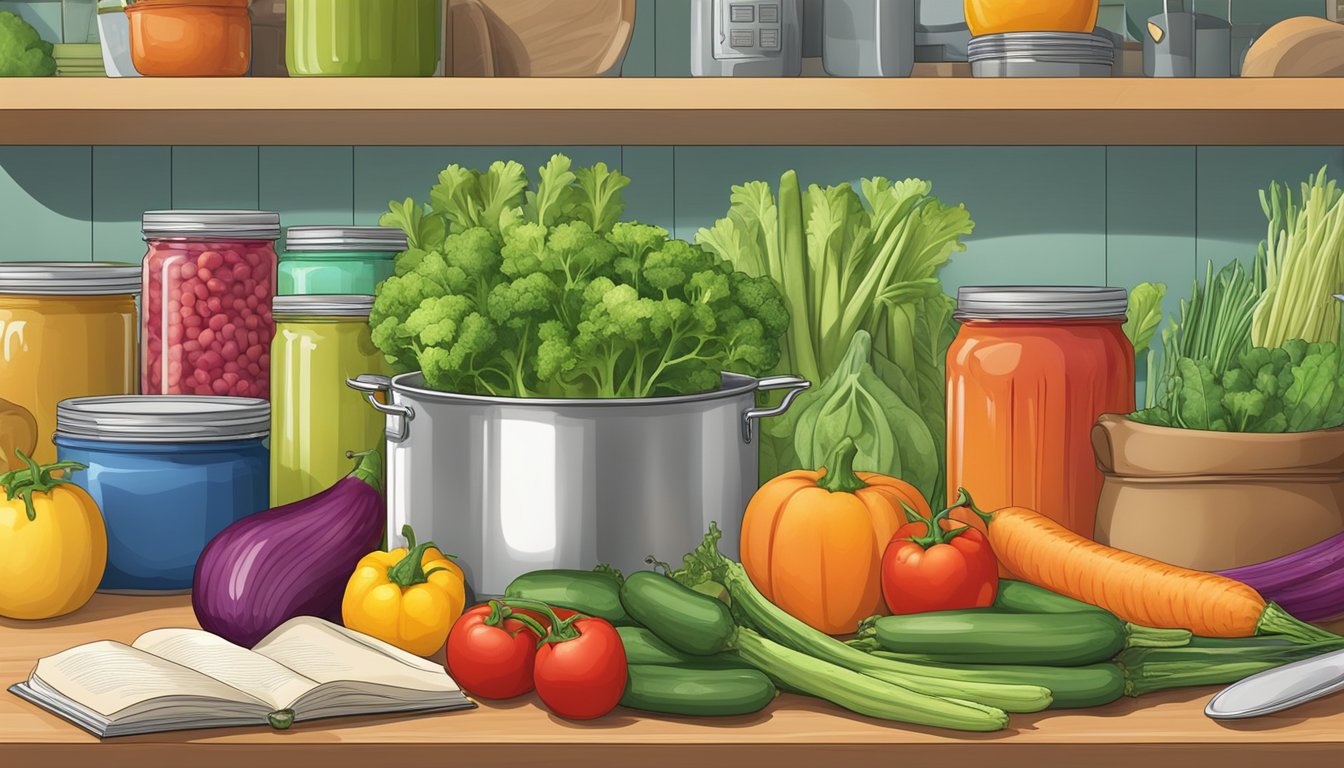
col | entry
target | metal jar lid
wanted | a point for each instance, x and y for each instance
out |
(322, 305)
(163, 418)
(43, 278)
(1029, 302)
(375, 239)
(235, 225)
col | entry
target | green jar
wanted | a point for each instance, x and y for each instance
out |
(338, 260)
(363, 38)
(320, 341)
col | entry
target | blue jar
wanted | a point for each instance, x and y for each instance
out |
(169, 473)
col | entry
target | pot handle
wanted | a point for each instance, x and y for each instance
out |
(399, 415)
(796, 387)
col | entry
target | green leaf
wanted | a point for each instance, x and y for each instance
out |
(1199, 397)
(424, 230)
(1144, 315)
(502, 191)
(599, 196)
(555, 196)
(1157, 417)
(1244, 408)
(1315, 381)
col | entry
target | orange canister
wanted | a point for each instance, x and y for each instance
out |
(1027, 377)
(190, 38)
(66, 330)
(994, 17)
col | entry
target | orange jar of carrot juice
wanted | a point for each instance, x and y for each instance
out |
(1028, 375)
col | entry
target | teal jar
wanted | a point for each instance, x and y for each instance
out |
(338, 260)
(363, 38)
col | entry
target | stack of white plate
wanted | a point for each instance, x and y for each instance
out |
(1042, 54)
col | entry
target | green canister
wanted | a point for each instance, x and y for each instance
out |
(363, 38)
(338, 260)
(320, 341)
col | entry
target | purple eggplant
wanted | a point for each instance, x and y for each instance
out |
(1308, 584)
(290, 561)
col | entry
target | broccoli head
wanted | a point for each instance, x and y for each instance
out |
(23, 52)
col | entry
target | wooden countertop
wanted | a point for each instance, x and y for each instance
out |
(670, 111)
(1161, 731)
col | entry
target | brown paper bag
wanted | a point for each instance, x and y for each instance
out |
(1216, 500)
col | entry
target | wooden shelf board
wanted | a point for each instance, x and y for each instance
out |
(1160, 731)
(669, 111)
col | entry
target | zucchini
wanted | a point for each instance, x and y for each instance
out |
(642, 647)
(696, 692)
(987, 636)
(697, 624)
(594, 593)
(1025, 597)
(1093, 685)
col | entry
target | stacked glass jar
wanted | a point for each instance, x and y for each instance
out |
(209, 280)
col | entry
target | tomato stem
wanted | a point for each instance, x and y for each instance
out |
(561, 629)
(23, 483)
(840, 476)
(500, 612)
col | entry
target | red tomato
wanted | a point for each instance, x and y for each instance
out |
(491, 652)
(938, 565)
(581, 677)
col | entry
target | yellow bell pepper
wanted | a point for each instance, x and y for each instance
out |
(408, 597)
(53, 543)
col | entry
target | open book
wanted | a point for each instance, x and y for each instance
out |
(173, 679)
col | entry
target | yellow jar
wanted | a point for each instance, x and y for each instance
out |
(320, 341)
(66, 330)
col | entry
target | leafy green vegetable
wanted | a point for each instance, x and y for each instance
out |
(23, 52)
(848, 262)
(1144, 315)
(1300, 264)
(519, 291)
(855, 402)
(1296, 388)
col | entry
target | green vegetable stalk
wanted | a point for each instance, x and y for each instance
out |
(852, 263)
(1148, 670)
(512, 290)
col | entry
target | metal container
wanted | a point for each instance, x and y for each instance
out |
(1042, 54)
(869, 38)
(513, 485)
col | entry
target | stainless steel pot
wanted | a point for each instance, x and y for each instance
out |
(513, 485)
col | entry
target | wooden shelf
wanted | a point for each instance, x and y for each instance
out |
(665, 111)
(1160, 731)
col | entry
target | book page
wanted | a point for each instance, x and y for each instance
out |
(108, 677)
(326, 653)
(245, 670)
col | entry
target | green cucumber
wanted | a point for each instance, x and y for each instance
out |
(643, 647)
(696, 692)
(1093, 685)
(988, 636)
(593, 593)
(700, 627)
(1025, 597)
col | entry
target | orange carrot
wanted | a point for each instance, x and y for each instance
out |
(1137, 589)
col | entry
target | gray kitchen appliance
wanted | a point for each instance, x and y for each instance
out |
(869, 38)
(513, 485)
(1183, 43)
(746, 38)
(941, 33)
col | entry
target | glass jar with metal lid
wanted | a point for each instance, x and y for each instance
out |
(338, 260)
(1029, 373)
(66, 330)
(208, 284)
(316, 420)
(169, 473)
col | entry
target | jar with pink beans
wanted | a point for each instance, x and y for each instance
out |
(209, 279)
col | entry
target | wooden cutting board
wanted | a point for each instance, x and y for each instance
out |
(537, 38)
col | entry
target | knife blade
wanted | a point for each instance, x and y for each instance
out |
(1279, 689)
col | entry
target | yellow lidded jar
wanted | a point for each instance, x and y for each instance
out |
(66, 330)
(316, 420)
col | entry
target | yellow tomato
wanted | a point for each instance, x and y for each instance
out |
(408, 597)
(992, 17)
(53, 545)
